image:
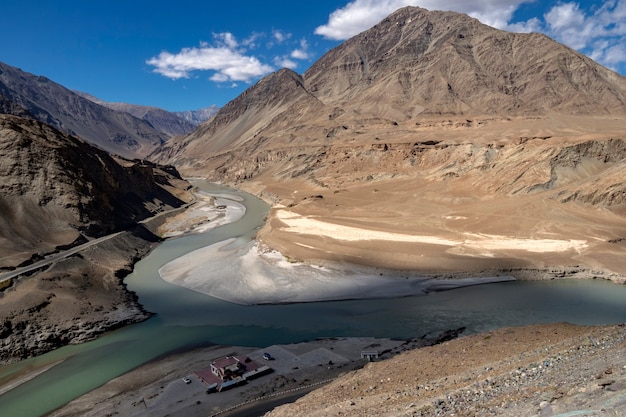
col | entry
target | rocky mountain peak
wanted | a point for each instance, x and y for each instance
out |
(417, 61)
(278, 87)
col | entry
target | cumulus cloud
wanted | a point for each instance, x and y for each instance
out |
(302, 52)
(600, 33)
(225, 59)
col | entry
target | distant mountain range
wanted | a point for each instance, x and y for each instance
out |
(116, 132)
(197, 117)
(170, 123)
(128, 130)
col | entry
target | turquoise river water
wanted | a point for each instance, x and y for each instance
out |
(185, 319)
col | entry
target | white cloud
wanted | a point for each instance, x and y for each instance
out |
(302, 52)
(285, 62)
(228, 62)
(251, 41)
(615, 54)
(568, 21)
(280, 36)
(226, 39)
(531, 25)
(599, 33)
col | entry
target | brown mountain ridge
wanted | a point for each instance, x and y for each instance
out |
(415, 65)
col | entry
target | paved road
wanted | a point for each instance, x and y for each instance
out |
(55, 257)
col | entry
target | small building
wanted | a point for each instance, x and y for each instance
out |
(369, 354)
(231, 371)
(255, 373)
(227, 368)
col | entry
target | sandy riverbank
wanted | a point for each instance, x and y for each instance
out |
(244, 272)
(241, 272)
(210, 210)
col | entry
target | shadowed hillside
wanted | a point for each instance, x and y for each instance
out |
(117, 132)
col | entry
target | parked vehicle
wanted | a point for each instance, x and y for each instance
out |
(267, 356)
(186, 380)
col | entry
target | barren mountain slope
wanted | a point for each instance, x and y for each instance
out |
(56, 189)
(540, 370)
(249, 124)
(116, 132)
(420, 62)
(483, 151)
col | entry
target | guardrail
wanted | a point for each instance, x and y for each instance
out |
(275, 394)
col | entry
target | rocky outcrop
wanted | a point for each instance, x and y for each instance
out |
(56, 188)
(73, 301)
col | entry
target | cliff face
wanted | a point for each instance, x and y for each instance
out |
(55, 188)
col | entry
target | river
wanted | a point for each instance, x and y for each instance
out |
(186, 319)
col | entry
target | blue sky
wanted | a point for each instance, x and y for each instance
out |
(186, 55)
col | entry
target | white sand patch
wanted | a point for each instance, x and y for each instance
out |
(483, 244)
(309, 226)
(236, 271)
(497, 243)
(210, 211)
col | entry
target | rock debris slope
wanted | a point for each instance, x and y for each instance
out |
(542, 370)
